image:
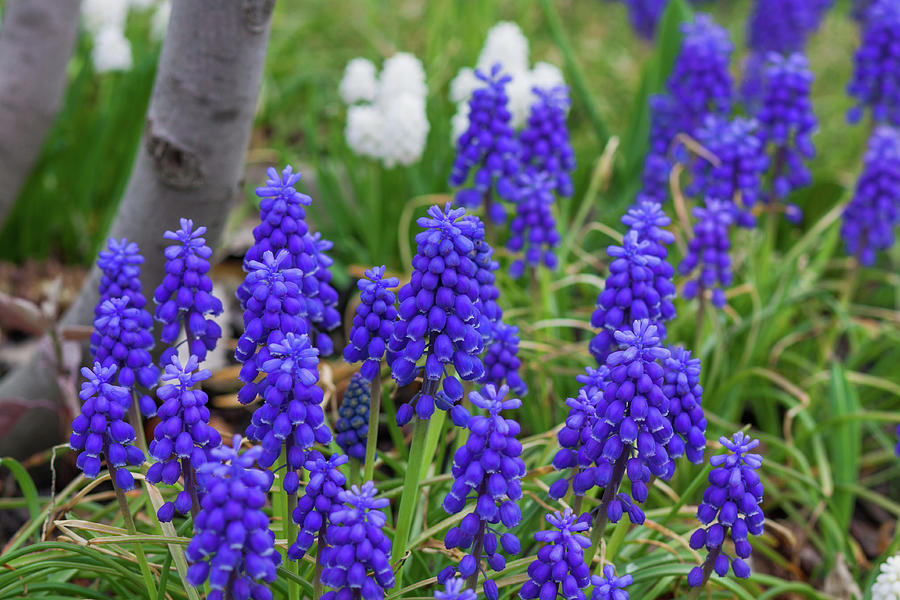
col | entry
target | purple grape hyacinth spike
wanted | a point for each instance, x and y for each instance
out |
(876, 75)
(233, 547)
(730, 508)
(488, 149)
(559, 568)
(184, 299)
(373, 322)
(101, 431)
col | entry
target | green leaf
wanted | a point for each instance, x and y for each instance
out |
(845, 442)
(25, 484)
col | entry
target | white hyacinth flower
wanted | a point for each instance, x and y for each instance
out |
(101, 15)
(363, 131)
(507, 45)
(404, 130)
(159, 23)
(401, 74)
(359, 83)
(112, 51)
(887, 585)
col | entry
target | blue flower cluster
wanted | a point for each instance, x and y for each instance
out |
(559, 568)
(182, 439)
(489, 147)
(640, 282)
(489, 466)
(356, 546)
(870, 217)
(120, 272)
(353, 417)
(708, 251)
(439, 317)
(734, 171)
(682, 389)
(544, 142)
(787, 122)
(455, 589)
(100, 430)
(482, 255)
(644, 15)
(290, 418)
(783, 26)
(320, 497)
(501, 360)
(122, 337)
(271, 310)
(283, 227)
(233, 546)
(373, 322)
(533, 229)
(184, 298)
(732, 501)
(610, 587)
(699, 85)
(876, 76)
(700, 82)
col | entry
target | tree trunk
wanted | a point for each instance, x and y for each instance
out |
(190, 163)
(36, 42)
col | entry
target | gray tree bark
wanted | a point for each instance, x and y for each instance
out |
(36, 42)
(190, 164)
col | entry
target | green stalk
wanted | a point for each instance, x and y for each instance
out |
(372, 437)
(317, 574)
(409, 498)
(129, 525)
(292, 565)
(355, 471)
(609, 492)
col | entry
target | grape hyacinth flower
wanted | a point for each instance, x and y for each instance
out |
(439, 317)
(488, 147)
(482, 255)
(787, 122)
(184, 299)
(735, 175)
(373, 322)
(533, 229)
(489, 466)
(455, 589)
(233, 546)
(100, 430)
(859, 8)
(628, 295)
(353, 418)
(122, 337)
(559, 568)
(700, 83)
(283, 227)
(730, 507)
(783, 26)
(501, 360)
(683, 390)
(574, 437)
(544, 142)
(648, 219)
(357, 546)
(290, 418)
(876, 74)
(666, 122)
(183, 439)
(873, 212)
(120, 273)
(320, 497)
(610, 587)
(272, 310)
(708, 251)
(644, 15)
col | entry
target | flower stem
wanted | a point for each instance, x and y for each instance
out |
(291, 534)
(698, 323)
(129, 526)
(317, 574)
(708, 565)
(372, 436)
(410, 496)
(137, 422)
(609, 492)
(187, 472)
(472, 581)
